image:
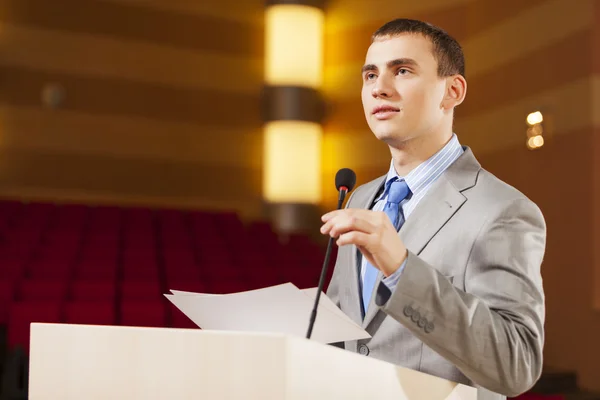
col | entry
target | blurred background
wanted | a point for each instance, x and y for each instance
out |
(148, 145)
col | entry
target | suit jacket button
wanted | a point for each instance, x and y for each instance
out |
(422, 322)
(363, 349)
(416, 316)
(429, 327)
(408, 311)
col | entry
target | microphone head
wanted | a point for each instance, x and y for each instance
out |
(345, 178)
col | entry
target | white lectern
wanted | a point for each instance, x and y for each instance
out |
(115, 362)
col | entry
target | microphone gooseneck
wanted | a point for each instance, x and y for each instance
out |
(345, 179)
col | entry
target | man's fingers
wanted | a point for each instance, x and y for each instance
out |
(360, 239)
(351, 224)
(346, 223)
(369, 215)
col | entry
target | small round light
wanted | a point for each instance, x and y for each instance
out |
(535, 118)
(535, 142)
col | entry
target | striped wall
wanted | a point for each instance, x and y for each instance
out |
(161, 101)
(521, 56)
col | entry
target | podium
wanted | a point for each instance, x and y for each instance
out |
(118, 362)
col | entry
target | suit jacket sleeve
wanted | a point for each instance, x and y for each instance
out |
(493, 330)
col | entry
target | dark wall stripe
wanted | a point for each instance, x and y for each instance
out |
(544, 69)
(133, 177)
(547, 67)
(311, 3)
(22, 87)
(137, 23)
(345, 115)
(292, 103)
(462, 22)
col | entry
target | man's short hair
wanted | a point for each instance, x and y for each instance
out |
(446, 50)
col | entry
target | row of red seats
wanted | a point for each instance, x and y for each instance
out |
(112, 249)
(150, 272)
(134, 303)
(128, 312)
(41, 216)
(63, 263)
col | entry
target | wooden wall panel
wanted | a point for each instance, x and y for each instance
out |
(161, 102)
(112, 57)
(137, 22)
(43, 130)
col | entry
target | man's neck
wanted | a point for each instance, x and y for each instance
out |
(410, 154)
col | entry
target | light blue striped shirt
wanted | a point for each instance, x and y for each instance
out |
(419, 180)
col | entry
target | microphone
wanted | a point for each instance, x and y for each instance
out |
(345, 179)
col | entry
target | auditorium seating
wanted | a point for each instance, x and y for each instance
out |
(111, 265)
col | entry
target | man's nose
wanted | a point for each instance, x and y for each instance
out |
(382, 88)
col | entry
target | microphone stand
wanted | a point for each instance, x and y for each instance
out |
(313, 315)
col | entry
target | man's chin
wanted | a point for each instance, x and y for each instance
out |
(390, 137)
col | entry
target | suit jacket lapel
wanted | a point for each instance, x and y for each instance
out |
(441, 202)
(431, 214)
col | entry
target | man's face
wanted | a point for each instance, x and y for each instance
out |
(402, 93)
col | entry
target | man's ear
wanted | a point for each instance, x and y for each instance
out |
(456, 90)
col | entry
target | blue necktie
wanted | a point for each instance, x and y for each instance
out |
(398, 191)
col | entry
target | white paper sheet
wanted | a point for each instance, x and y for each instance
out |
(281, 308)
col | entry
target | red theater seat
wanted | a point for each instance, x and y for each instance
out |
(7, 296)
(96, 272)
(188, 286)
(22, 314)
(90, 312)
(40, 290)
(132, 290)
(93, 290)
(150, 313)
(180, 320)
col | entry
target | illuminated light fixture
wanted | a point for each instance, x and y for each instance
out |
(535, 130)
(293, 111)
(535, 142)
(535, 118)
(294, 45)
(292, 162)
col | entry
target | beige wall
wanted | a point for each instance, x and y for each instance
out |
(161, 101)
(521, 56)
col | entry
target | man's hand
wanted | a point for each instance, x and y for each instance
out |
(373, 234)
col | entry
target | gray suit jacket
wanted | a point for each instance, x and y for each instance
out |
(469, 306)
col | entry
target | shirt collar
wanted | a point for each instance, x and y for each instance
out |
(418, 175)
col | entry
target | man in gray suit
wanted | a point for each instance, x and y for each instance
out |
(438, 260)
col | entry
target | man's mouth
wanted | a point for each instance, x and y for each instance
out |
(383, 112)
